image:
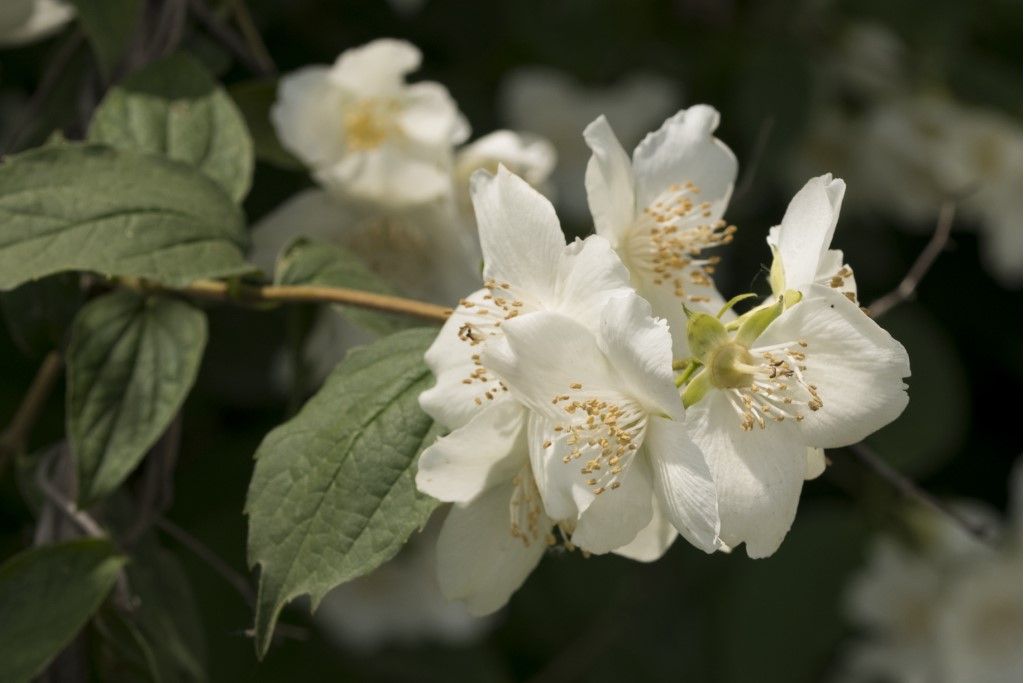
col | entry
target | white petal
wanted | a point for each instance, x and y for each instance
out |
(616, 516)
(683, 483)
(377, 68)
(24, 21)
(807, 229)
(758, 474)
(589, 272)
(307, 116)
(609, 181)
(489, 450)
(430, 116)
(653, 540)
(857, 367)
(520, 236)
(639, 347)
(453, 401)
(530, 157)
(815, 463)
(311, 213)
(685, 149)
(562, 489)
(479, 562)
(390, 174)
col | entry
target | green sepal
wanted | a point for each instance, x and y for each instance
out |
(777, 274)
(732, 302)
(698, 386)
(756, 322)
(703, 333)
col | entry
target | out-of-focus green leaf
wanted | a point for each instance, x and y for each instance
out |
(255, 98)
(114, 212)
(39, 313)
(309, 263)
(333, 494)
(110, 25)
(46, 595)
(174, 108)
(122, 651)
(130, 364)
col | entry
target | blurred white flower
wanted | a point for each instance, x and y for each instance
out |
(364, 131)
(528, 156)
(663, 210)
(399, 603)
(553, 104)
(25, 21)
(767, 391)
(944, 608)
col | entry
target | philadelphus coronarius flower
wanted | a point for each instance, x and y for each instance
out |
(808, 370)
(507, 389)
(664, 209)
(367, 133)
(25, 21)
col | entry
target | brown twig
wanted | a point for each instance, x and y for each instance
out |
(236, 45)
(908, 285)
(237, 580)
(14, 438)
(215, 290)
(866, 456)
(252, 37)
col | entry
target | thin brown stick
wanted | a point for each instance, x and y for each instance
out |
(214, 290)
(237, 581)
(866, 456)
(252, 37)
(236, 45)
(908, 286)
(14, 438)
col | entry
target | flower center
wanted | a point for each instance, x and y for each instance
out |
(603, 432)
(775, 388)
(667, 239)
(368, 123)
(731, 366)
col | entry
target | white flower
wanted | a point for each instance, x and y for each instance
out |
(528, 156)
(770, 389)
(664, 209)
(555, 105)
(25, 21)
(364, 131)
(498, 529)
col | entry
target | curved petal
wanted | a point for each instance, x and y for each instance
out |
(488, 450)
(685, 149)
(855, 365)
(479, 561)
(639, 347)
(683, 483)
(609, 182)
(26, 22)
(530, 157)
(377, 68)
(389, 174)
(616, 516)
(306, 116)
(521, 239)
(815, 463)
(430, 116)
(758, 474)
(653, 540)
(807, 229)
(562, 490)
(589, 272)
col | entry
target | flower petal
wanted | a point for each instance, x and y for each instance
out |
(616, 516)
(653, 540)
(685, 149)
(27, 22)
(488, 450)
(479, 561)
(390, 174)
(857, 367)
(430, 116)
(562, 489)
(377, 68)
(589, 272)
(609, 181)
(815, 463)
(521, 239)
(758, 474)
(306, 116)
(683, 483)
(807, 229)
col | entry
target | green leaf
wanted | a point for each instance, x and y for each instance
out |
(110, 26)
(130, 364)
(39, 313)
(114, 212)
(333, 495)
(310, 263)
(255, 98)
(46, 596)
(174, 108)
(122, 652)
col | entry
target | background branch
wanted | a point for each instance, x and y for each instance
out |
(227, 37)
(14, 438)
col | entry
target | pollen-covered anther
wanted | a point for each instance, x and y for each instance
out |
(777, 390)
(526, 509)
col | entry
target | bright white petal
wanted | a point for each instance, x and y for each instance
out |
(479, 561)
(616, 516)
(377, 68)
(589, 272)
(562, 489)
(530, 157)
(488, 450)
(639, 347)
(815, 463)
(609, 181)
(653, 540)
(389, 174)
(758, 474)
(685, 149)
(430, 116)
(520, 236)
(307, 116)
(807, 229)
(856, 366)
(683, 483)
